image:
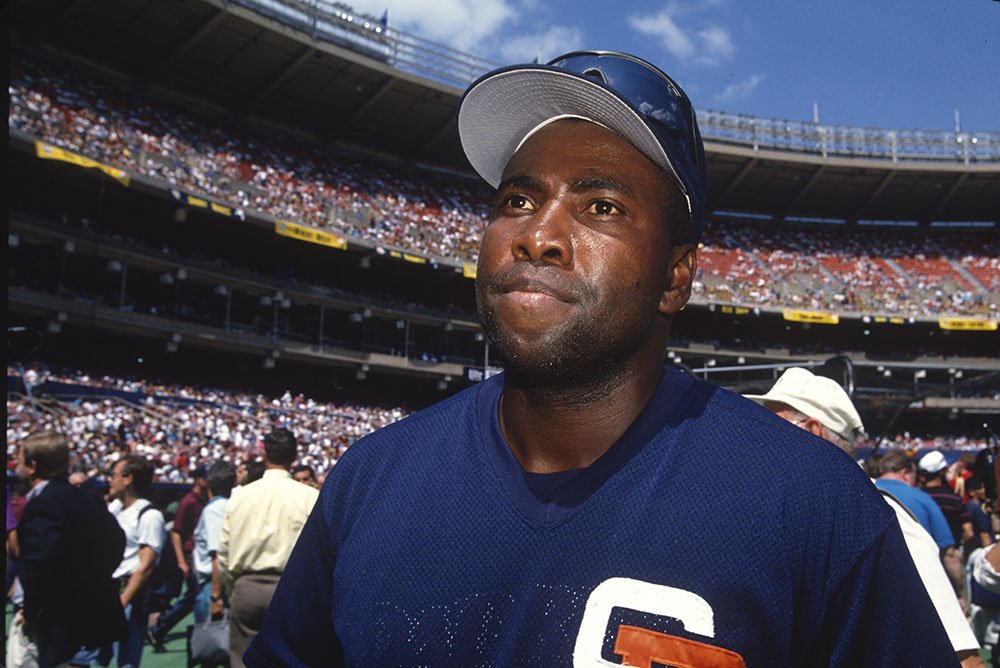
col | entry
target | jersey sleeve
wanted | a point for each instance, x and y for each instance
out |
(298, 629)
(983, 572)
(213, 530)
(151, 531)
(964, 514)
(187, 517)
(880, 614)
(939, 527)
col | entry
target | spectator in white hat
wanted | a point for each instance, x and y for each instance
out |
(817, 404)
(933, 468)
(821, 406)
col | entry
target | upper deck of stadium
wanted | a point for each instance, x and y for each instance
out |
(318, 68)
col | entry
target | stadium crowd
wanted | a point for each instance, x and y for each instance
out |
(865, 271)
(181, 427)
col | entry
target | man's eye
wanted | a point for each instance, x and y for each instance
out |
(604, 208)
(517, 202)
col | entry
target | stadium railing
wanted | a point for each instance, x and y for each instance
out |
(336, 23)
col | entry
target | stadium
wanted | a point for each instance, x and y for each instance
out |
(226, 215)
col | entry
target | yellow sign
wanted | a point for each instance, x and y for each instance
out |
(817, 317)
(968, 324)
(414, 258)
(197, 201)
(224, 210)
(469, 271)
(309, 234)
(735, 310)
(50, 152)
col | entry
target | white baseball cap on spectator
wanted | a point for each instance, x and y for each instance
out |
(932, 462)
(817, 397)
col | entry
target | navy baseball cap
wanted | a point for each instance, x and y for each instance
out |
(623, 93)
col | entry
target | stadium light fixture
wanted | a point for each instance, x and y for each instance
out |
(114, 266)
(356, 318)
(479, 337)
(182, 274)
(13, 240)
(265, 300)
(221, 290)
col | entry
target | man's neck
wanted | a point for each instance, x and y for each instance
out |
(128, 498)
(898, 476)
(558, 430)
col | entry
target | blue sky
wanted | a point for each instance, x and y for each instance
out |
(885, 63)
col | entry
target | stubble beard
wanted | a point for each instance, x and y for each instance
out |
(582, 360)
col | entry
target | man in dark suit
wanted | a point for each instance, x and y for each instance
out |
(70, 545)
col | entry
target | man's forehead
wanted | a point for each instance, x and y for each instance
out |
(590, 168)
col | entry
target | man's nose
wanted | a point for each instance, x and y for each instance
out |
(545, 236)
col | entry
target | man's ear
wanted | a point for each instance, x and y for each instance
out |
(814, 427)
(683, 265)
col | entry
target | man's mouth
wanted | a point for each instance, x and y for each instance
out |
(528, 288)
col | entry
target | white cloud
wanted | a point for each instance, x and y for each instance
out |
(683, 36)
(460, 24)
(546, 45)
(663, 27)
(717, 42)
(739, 90)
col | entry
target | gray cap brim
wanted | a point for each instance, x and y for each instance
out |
(498, 111)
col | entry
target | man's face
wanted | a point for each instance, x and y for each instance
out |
(118, 483)
(576, 259)
(23, 469)
(305, 477)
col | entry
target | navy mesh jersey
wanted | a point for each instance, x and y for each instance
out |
(711, 534)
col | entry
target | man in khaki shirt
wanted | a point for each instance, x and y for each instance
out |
(262, 522)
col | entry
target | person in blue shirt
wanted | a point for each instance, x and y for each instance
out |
(588, 506)
(898, 476)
